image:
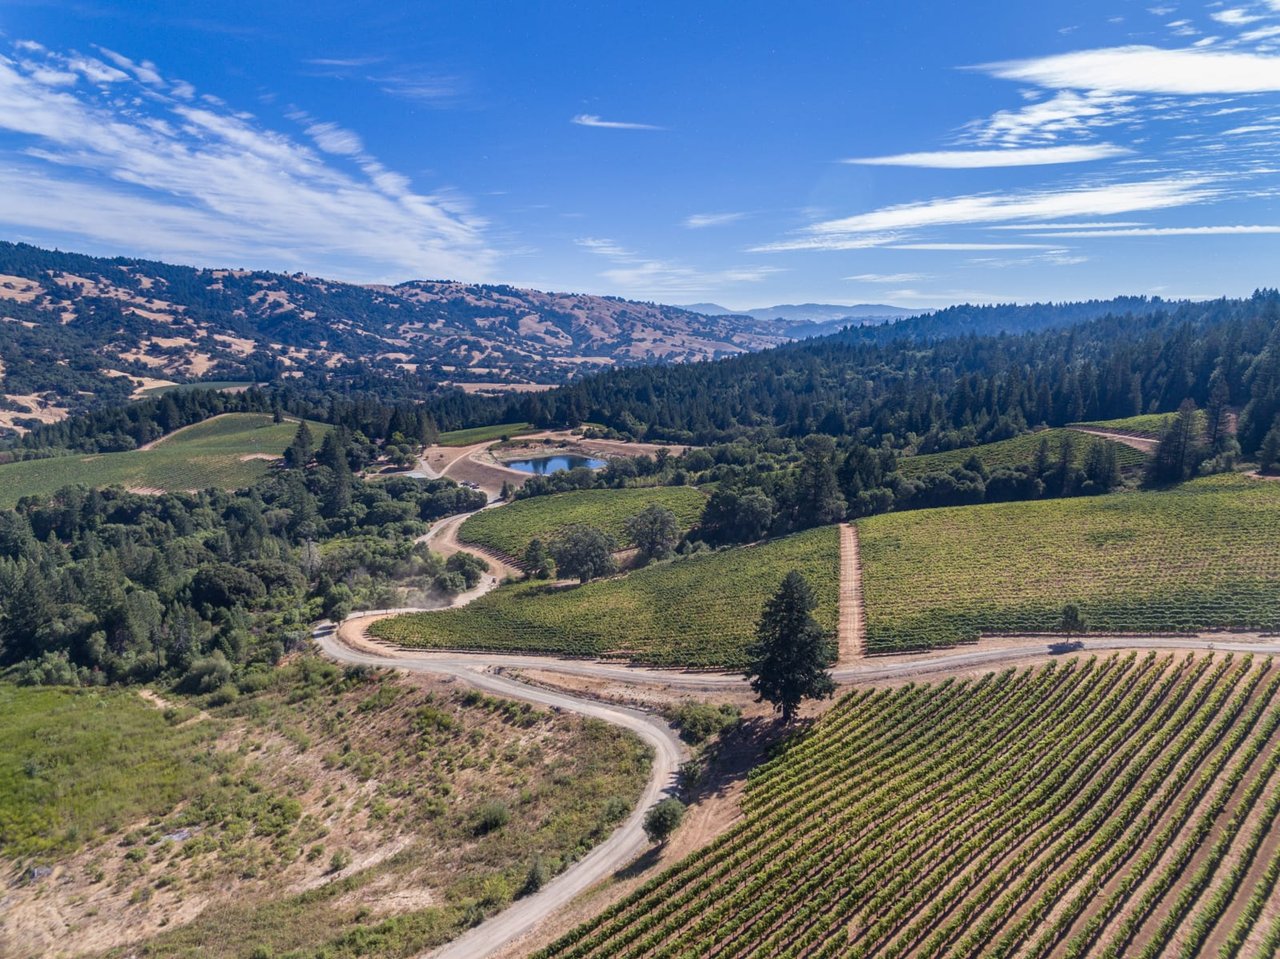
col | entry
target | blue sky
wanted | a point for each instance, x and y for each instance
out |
(746, 153)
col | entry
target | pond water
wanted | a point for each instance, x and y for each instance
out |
(542, 465)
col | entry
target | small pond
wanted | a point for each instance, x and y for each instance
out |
(542, 465)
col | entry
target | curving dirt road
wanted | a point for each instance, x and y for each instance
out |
(628, 840)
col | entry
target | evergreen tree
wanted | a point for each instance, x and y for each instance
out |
(538, 562)
(790, 656)
(300, 450)
(1180, 449)
(1269, 452)
(818, 497)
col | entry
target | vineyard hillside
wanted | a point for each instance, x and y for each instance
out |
(1019, 451)
(230, 451)
(1088, 808)
(510, 529)
(1201, 556)
(697, 611)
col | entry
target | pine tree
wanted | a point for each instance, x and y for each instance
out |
(1269, 452)
(299, 452)
(790, 656)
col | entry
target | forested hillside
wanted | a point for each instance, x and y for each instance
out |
(936, 393)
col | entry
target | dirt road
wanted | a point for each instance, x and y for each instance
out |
(1144, 444)
(350, 643)
(628, 840)
(850, 632)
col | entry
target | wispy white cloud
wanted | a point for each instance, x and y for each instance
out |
(698, 221)
(1146, 69)
(969, 247)
(885, 226)
(1066, 114)
(977, 159)
(591, 120)
(1099, 225)
(1254, 230)
(887, 277)
(332, 138)
(1236, 17)
(119, 159)
(650, 277)
(424, 87)
(606, 247)
(344, 62)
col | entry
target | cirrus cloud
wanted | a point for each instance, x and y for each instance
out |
(979, 159)
(126, 159)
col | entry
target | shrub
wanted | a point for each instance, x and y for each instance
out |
(663, 819)
(491, 816)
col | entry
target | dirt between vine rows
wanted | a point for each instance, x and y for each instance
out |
(1196, 812)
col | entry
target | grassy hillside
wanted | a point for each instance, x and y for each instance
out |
(230, 451)
(1019, 451)
(480, 434)
(510, 528)
(199, 385)
(180, 834)
(1084, 809)
(1204, 555)
(696, 611)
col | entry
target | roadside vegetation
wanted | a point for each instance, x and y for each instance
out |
(1093, 807)
(1198, 556)
(336, 811)
(698, 610)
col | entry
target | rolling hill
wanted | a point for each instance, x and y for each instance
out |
(78, 331)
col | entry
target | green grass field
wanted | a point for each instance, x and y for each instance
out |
(1019, 451)
(76, 764)
(212, 453)
(199, 385)
(697, 611)
(480, 434)
(510, 528)
(1117, 807)
(1205, 555)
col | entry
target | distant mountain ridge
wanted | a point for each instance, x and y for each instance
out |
(809, 313)
(78, 331)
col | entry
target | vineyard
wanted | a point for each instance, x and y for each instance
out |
(1202, 556)
(510, 529)
(1019, 451)
(696, 611)
(1150, 425)
(481, 434)
(230, 451)
(1088, 808)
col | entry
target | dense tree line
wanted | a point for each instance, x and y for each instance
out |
(914, 386)
(100, 586)
(367, 417)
